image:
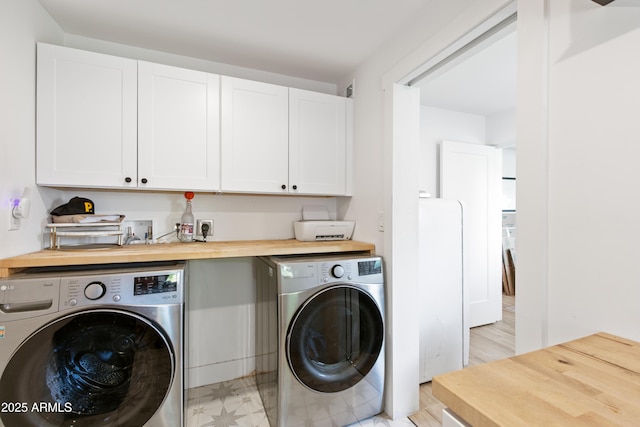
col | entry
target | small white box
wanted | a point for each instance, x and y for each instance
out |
(313, 231)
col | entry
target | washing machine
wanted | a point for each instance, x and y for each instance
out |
(94, 348)
(320, 327)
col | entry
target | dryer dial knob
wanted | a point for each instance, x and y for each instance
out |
(337, 271)
(95, 290)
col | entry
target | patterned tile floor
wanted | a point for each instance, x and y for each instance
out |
(237, 403)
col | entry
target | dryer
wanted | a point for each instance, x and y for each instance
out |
(320, 328)
(92, 347)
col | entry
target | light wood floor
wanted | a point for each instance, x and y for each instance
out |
(487, 343)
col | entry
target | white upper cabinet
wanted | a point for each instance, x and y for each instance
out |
(86, 118)
(319, 143)
(111, 122)
(281, 140)
(178, 128)
(254, 136)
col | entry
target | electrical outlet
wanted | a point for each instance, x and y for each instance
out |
(14, 222)
(199, 232)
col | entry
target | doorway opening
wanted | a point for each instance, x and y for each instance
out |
(468, 94)
(471, 99)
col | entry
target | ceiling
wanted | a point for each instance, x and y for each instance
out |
(322, 40)
(482, 82)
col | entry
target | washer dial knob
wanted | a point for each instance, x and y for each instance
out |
(337, 271)
(95, 290)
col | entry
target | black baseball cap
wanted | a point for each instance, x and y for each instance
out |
(76, 206)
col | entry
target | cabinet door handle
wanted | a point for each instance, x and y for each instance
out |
(284, 187)
(127, 179)
(144, 180)
(295, 187)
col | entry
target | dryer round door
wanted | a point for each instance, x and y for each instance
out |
(335, 338)
(93, 368)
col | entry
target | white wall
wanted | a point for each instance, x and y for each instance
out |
(436, 125)
(501, 128)
(578, 150)
(22, 23)
(236, 217)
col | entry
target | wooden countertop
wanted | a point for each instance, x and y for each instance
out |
(176, 252)
(592, 381)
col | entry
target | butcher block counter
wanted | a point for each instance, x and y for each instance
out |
(176, 252)
(592, 381)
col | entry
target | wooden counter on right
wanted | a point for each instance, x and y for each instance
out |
(591, 381)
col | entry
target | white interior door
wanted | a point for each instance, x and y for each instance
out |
(471, 174)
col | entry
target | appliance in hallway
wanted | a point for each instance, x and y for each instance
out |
(320, 339)
(93, 348)
(444, 332)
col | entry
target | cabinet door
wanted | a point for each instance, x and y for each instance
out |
(254, 136)
(86, 118)
(178, 128)
(317, 143)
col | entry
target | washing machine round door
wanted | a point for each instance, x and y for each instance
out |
(335, 338)
(93, 368)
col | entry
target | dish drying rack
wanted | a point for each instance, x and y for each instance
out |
(84, 230)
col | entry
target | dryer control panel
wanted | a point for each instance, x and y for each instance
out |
(296, 274)
(352, 270)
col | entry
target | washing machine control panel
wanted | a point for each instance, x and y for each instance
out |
(135, 288)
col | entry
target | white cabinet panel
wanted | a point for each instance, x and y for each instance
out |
(254, 120)
(317, 143)
(220, 317)
(178, 128)
(86, 118)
